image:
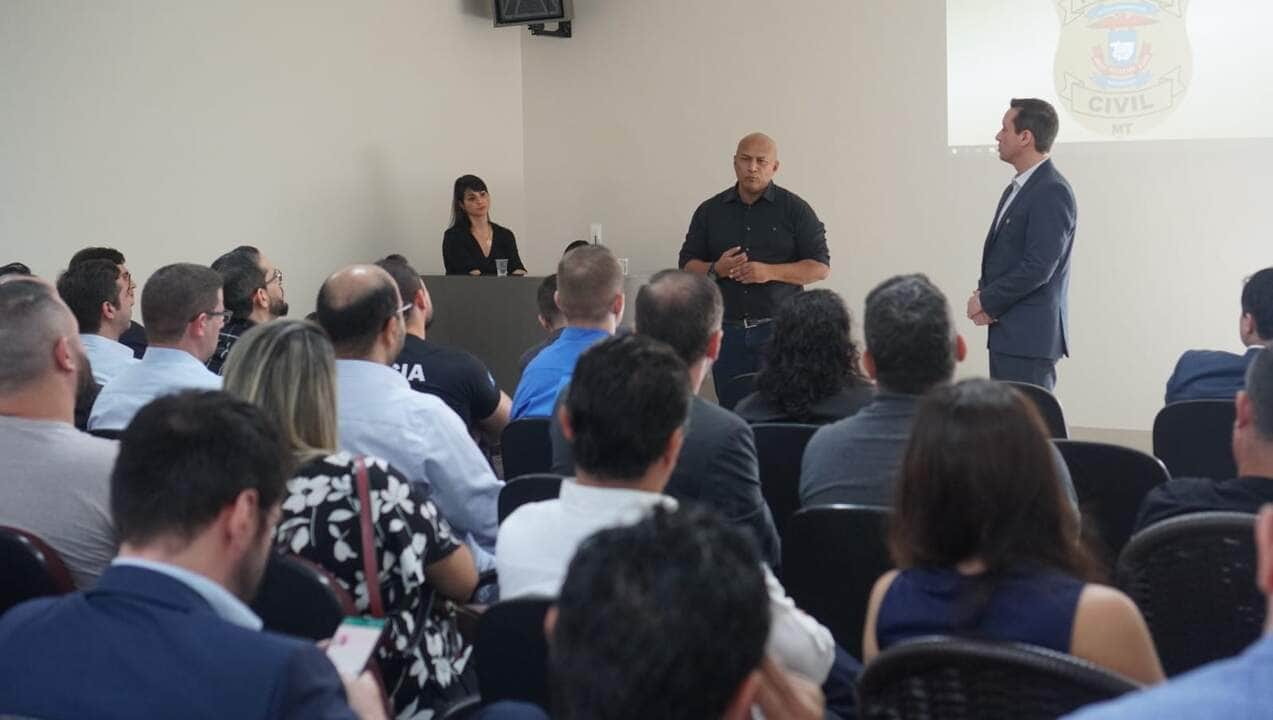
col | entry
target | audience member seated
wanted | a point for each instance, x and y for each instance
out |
(288, 369)
(101, 299)
(550, 319)
(253, 291)
(135, 336)
(1252, 449)
(810, 373)
(717, 465)
(625, 413)
(166, 632)
(182, 307)
(14, 268)
(989, 547)
(379, 413)
(56, 479)
(1216, 374)
(590, 295)
(457, 377)
(1233, 688)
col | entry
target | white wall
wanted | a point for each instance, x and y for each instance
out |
(633, 121)
(322, 132)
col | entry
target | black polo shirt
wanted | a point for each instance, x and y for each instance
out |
(456, 377)
(778, 228)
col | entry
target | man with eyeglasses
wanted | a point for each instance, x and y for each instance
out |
(761, 244)
(182, 307)
(253, 290)
(135, 336)
(98, 294)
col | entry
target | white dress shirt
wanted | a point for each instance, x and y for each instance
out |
(1018, 182)
(162, 371)
(379, 414)
(538, 540)
(224, 603)
(107, 357)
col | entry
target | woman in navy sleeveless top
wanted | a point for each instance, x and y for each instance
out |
(988, 543)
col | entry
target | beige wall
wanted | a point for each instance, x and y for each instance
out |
(322, 132)
(633, 121)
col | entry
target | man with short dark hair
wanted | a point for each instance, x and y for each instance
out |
(166, 632)
(549, 318)
(1216, 374)
(717, 466)
(135, 336)
(1252, 450)
(1023, 290)
(56, 479)
(253, 291)
(625, 414)
(461, 380)
(590, 295)
(182, 307)
(98, 295)
(361, 310)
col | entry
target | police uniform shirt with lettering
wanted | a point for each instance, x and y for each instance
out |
(456, 377)
(778, 228)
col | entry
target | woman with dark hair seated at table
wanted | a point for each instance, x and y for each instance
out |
(473, 243)
(988, 544)
(811, 372)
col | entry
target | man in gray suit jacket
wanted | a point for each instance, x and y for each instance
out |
(1025, 265)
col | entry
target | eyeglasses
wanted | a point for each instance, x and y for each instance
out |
(225, 315)
(276, 276)
(405, 307)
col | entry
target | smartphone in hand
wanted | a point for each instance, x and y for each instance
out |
(354, 642)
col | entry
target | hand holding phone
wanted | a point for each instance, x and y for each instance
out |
(354, 642)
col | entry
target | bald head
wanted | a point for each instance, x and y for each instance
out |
(682, 309)
(354, 304)
(760, 143)
(755, 163)
(33, 321)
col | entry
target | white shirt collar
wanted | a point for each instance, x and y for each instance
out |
(223, 602)
(1024, 176)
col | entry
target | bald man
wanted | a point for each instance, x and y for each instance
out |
(761, 244)
(379, 414)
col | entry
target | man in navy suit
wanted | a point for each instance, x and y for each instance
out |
(165, 633)
(1025, 265)
(1216, 374)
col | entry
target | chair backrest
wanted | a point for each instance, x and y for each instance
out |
(527, 489)
(1110, 481)
(526, 447)
(1049, 407)
(298, 597)
(831, 557)
(107, 434)
(954, 679)
(780, 450)
(1193, 578)
(511, 652)
(1194, 438)
(735, 389)
(29, 568)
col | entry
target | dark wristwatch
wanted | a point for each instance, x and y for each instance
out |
(711, 271)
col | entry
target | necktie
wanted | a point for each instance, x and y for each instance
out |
(1003, 199)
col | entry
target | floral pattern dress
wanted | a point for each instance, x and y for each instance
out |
(424, 654)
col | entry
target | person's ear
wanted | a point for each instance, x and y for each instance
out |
(744, 698)
(713, 345)
(64, 356)
(567, 429)
(961, 348)
(550, 621)
(1264, 550)
(776, 165)
(243, 519)
(616, 307)
(1244, 410)
(1246, 326)
(672, 452)
(868, 364)
(543, 323)
(420, 300)
(261, 298)
(108, 310)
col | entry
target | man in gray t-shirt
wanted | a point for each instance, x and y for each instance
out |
(57, 479)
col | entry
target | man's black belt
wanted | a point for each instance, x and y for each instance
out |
(747, 323)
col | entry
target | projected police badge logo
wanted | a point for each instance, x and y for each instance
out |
(1122, 67)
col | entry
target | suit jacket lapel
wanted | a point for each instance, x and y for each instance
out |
(1045, 168)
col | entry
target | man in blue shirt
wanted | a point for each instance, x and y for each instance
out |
(1235, 688)
(1216, 374)
(590, 295)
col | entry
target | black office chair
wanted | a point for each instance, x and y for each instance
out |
(1193, 578)
(526, 447)
(831, 556)
(298, 597)
(527, 489)
(1049, 407)
(1110, 481)
(955, 679)
(735, 389)
(780, 449)
(29, 568)
(1194, 439)
(511, 652)
(107, 434)
(464, 709)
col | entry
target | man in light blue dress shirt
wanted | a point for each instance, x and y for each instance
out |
(101, 298)
(590, 295)
(379, 414)
(182, 307)
(1239, 687)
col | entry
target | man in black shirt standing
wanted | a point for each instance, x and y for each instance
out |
(456, 377)
(761, 243)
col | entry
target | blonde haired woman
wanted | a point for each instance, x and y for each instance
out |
(287, 367)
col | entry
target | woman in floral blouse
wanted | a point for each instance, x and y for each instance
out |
(287, 367)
